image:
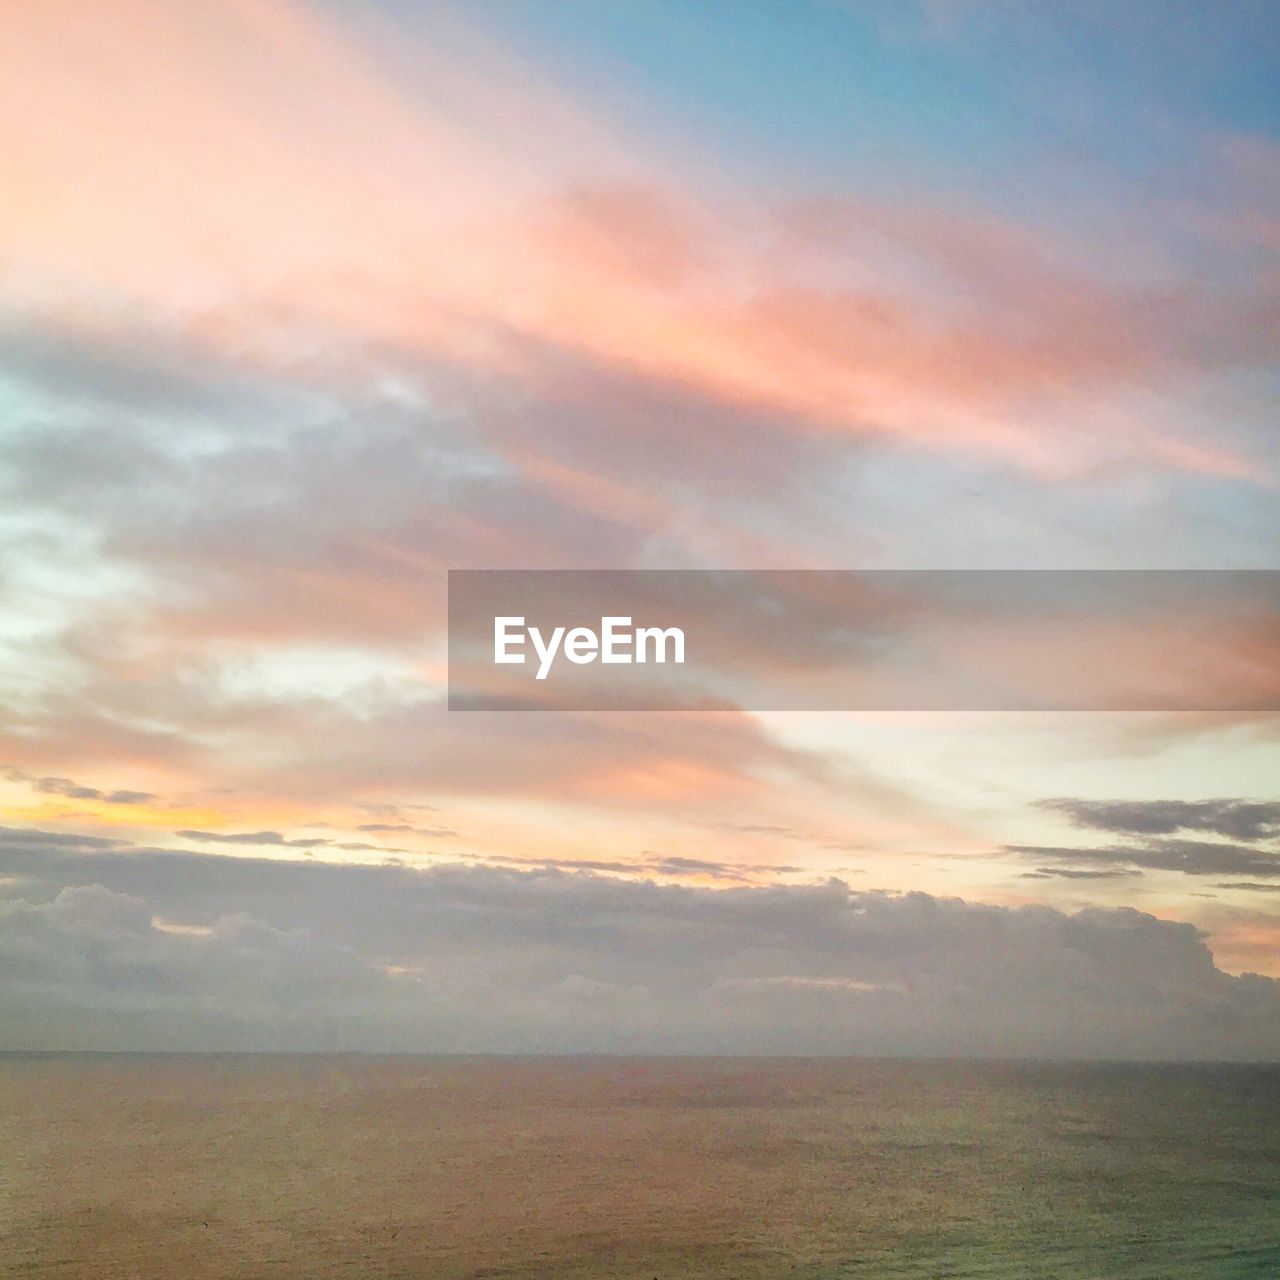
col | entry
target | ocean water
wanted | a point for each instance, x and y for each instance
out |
(193, 1167)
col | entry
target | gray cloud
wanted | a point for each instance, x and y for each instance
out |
(23, 838)
(276, 839)
(1078, 873)
(1150, 842)
(252, 838)
(678, 866)
(303, 955)
(91, 968)
(77, 791)
(1244, 820)
(668, 866)
(1190, 857)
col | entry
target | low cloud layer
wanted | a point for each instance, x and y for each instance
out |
(118, 947)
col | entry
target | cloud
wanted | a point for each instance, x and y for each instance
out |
(325, 311)
(531, 244)
(1246, 820)
(23, 838)
(1191, 857)
(467, 323)
(160, 947)
(251, 838)
(78, 791)
(1076, 873)
(92, 968)
(277, 839)
(1149, 828)
(672, 867)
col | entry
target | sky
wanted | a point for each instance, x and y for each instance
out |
(305, 303)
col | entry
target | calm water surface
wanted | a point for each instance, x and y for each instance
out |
(417, 1167)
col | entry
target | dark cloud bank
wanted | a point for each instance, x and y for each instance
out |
(1246, 820)
(107, 946)
(1245, 834)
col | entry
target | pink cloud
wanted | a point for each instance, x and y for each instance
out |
(267, 181)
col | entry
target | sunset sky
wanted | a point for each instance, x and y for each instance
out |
(304, 304)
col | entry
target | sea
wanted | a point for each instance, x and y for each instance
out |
(195, 1166)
